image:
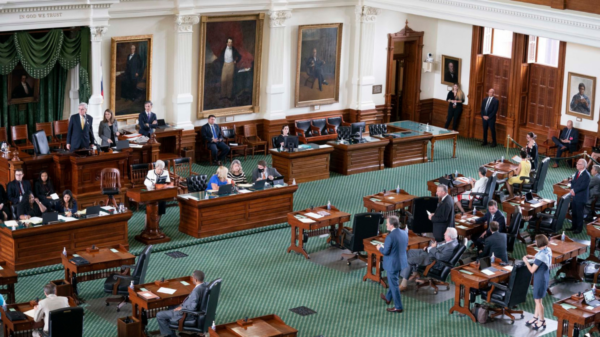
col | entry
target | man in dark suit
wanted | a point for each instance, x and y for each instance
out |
(594, 192)
(192, 302)
(450, 74)
(491, 215)
(23, 89)
(394, 260)
(134, 71)
(580, 192)
(80, 134)
(211, 134)
(17, 188)
(489, 108)
(228, 59)
(569, 137)
(496, 243)
(444, 213)
(147, 120)
(264, 172)
(314, 68)
(423, 257)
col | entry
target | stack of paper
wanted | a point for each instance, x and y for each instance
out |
(66, 218)
(487, 272)
(307, 220)
(30, 313)
(11, 223)
(54, 196)
(33, 220)
(313, 215)
(166, 290)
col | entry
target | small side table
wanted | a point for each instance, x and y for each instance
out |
(243, 148)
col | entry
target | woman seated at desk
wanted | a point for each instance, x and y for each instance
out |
(522, 171)
(282, 138)
(158, 176)
(219, 179)
(67, 204)
(236, 172)
(43, 189)
(30, 207)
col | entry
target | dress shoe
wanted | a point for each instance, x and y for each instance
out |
(493, 145)
(394, 310)
(484, 144)
(384, 299)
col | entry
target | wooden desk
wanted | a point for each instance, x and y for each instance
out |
(455, 190)
(593, 230)
(388, 202)
(502, 169)
(213, 215)
(101, 263)
(8, 277)
(527, 209)
(306, 165)
(350, 159)
(144, 309)
(407, 148)
(563, 251)
(561, 188)
(32, 247)
(466, 229)
(433, 132)
(335, 217)
(375, 258)
(581, 316)
(171, 141)
(264, 326)
(477, 280)
(20, 328)
(152, 233)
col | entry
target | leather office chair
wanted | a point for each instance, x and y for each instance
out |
(303, 130)
(365, 225)
(421, 222)
(335, 122)
(513, 229)
(322, 128)
(551, 220)
(591, 271)
(182, 171)
(480, 200)
(438, 271)
(65, 322)
(47, 127)
(377, 129)
(40, 143)
(253, 140)
(200, 320)
(110, 185)
(118, 284)
(20, 133)
(344, 132)
(274, 143)
(510, 295)
(197, 183)
(61, 128)
(535, 184)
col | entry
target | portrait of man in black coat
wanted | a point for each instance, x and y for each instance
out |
(134, 71)
(314, 68)
(23, 89)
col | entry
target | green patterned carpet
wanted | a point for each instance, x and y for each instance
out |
(261, 278)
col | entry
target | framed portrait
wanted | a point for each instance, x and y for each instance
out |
(318, 64)
(581, 91)
(130, 74)
(451, 68)
(230, 64)
(21, 87)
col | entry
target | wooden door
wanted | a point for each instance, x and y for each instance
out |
(411, 87)
(542, 96)
(497, 76)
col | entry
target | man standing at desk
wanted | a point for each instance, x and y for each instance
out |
(444, 213)
(147, 120)
(80, 134)
(489, 108)
(45, 306)
(211, 134)
(580, 192)
(394, 260)
(569, 138)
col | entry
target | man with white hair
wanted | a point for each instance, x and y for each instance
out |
(423, 257)
(158, 176)
(580, 192)
(80, 135)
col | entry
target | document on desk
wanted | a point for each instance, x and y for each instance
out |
(462, 227)
(244, 191)
(244, 185)
(313, 215)
(30, 313)
(487, 272)
(567, 306)
(33, 220)
(11, 223)
(307, 220)
(324, 146)
(509, 268)
(54, 196)
(66, 218)
(136, 146)
(148, 294)
(114, 250)
(166, 290)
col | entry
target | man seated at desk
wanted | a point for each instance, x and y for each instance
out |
(80, 134)
(444, 213)
(158, 176)
(147, 120)
(30, 207)
(424, 257)
(45, 306)
(477, 186)
(491, 215)
(569, 138)
(192, 302)
(17, 188)
(211, 134)
(263, 172)
(495, 244)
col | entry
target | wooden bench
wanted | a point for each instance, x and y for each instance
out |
(318, 129)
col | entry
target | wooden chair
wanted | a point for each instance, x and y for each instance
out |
(548, 145)
(588, 143)
(49, 130)
(230, 137)
(61, 128)
(110, 185)
(19, 132)
(137, 174)
(252, 139)
(182, 169)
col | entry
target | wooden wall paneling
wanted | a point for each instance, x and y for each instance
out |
(524, 94)
(272, 128)
(440, 113)
(476, 78)
(188, 144)
(517, 83)
(560, 77)
(425, 112)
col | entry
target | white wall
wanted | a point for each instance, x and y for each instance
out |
(430, 27)
(583, 60)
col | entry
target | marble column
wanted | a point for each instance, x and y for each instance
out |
(275, 82)
(366, 17)
(95, 103)
(181, 113)
(74, 92)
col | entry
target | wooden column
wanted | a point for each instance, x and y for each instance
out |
(476, 80)
(518, 85)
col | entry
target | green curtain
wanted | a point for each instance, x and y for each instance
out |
(8, 56)
(85, 90)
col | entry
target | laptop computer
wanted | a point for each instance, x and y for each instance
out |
(590, 299)
(485, 263)
(49, 217)
(530, 199)
(122, 144)
(258, 185)
(278, 181)
(161, 123)
(225, 189)
(92, 211)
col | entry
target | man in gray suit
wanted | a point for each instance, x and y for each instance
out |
(594, 192)
(435, 252)
(263, 172)
(192, 302)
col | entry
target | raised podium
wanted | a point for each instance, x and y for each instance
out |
(151, 233)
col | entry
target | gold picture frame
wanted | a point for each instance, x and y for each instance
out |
(241, 92)
(16, 93)
(578, 104)
(326, 40)
(449, 72)
(130, 75)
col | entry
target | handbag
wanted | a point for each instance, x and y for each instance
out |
(481, 313)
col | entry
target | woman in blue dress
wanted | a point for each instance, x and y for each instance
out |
(219, 179)
(541, 279)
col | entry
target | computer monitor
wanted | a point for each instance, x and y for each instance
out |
(122, 144)
(358, 127)
(92, 211)
(485, 262)
(225, 189)
(49, 217)
(291, 142)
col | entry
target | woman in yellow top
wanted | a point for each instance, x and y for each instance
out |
(522, 171)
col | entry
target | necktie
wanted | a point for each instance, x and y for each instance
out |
(148, 117)
(487, 105)
(568, 133)
(82, 123)
(578, 172)
(21, 185)
(212, 129)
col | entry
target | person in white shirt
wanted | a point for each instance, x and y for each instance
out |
(158, 176)
(51, 302)
(477, 186)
